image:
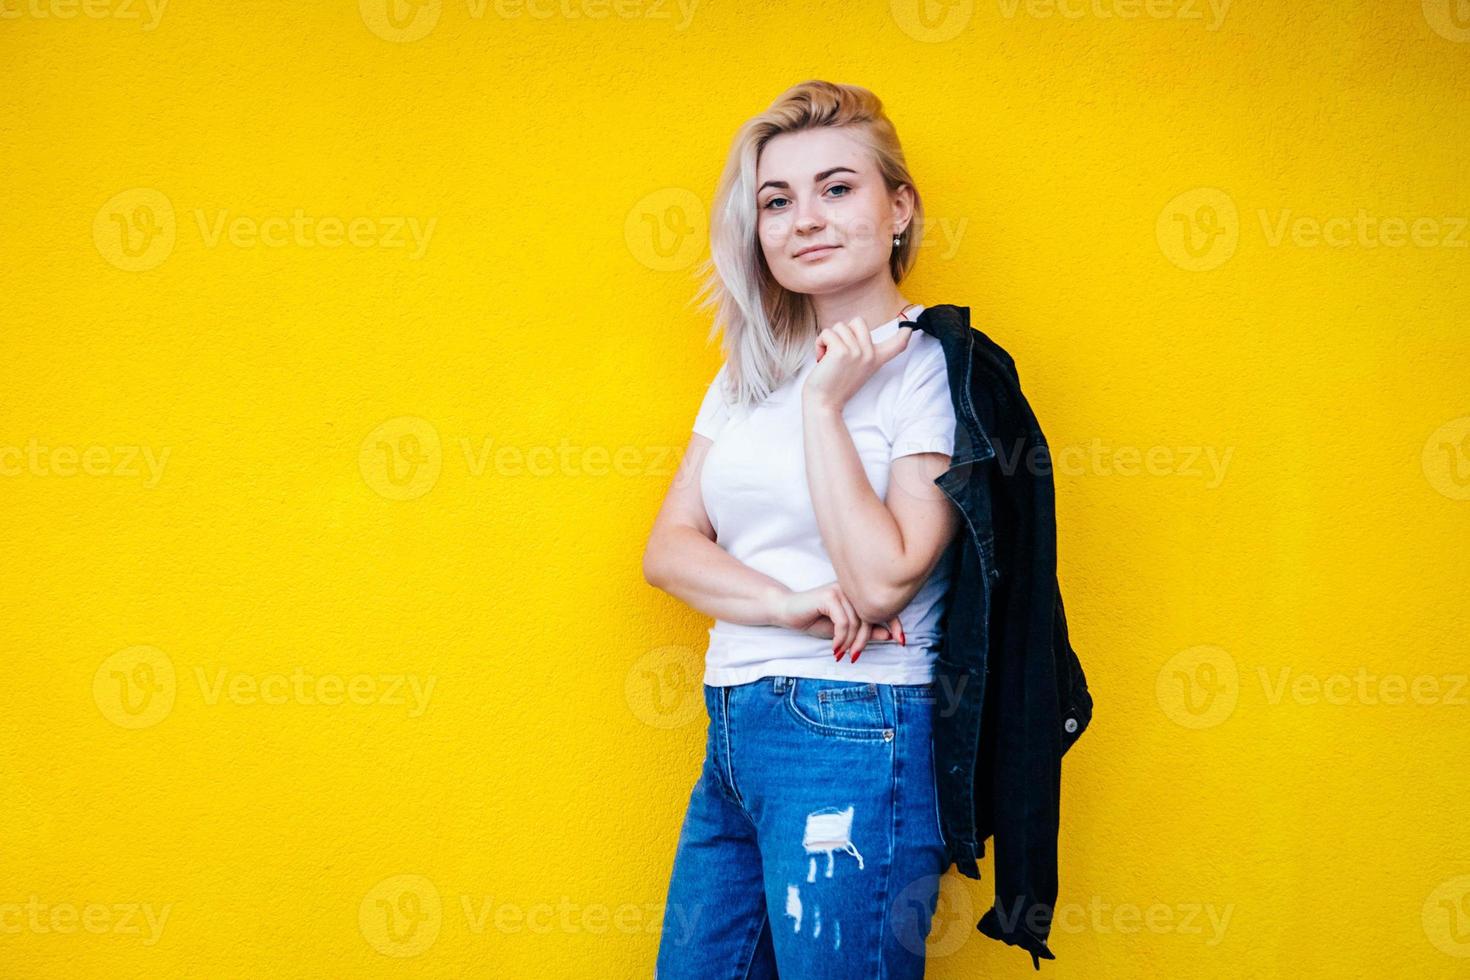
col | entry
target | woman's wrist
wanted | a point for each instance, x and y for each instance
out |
(813, 404)
(773, 604)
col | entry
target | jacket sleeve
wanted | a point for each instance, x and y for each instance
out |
(1026, 770)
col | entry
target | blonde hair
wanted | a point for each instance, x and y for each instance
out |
(768, 329)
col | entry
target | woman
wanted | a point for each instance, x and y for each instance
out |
(804, 518)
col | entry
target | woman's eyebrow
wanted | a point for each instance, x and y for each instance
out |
(815, 180)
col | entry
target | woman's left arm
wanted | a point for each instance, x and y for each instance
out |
(881, 551)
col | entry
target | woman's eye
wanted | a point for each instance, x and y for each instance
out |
(772, 203)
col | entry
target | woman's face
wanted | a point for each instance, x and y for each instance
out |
(825, 218)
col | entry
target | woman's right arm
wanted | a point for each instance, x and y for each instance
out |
(682, 558)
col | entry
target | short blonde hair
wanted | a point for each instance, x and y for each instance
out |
(769, 330)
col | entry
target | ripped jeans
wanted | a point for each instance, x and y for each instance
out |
(811, 847)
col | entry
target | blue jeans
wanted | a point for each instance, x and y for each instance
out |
(811, 847)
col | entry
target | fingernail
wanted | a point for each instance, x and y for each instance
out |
(856, 655)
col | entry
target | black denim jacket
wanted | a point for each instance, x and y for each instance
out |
(1011, 694)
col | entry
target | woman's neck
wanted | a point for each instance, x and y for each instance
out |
(876, 307)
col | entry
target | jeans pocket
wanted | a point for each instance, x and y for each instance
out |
(838, 709)
(934, 789)
(917, 706)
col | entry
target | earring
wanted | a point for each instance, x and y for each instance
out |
(897, 241)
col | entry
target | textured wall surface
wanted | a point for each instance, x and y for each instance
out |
(347, 354)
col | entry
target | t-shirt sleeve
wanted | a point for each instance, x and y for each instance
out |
(713, 411)
(924, 414)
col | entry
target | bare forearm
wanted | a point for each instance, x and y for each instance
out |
(861, 536)
(691, 567)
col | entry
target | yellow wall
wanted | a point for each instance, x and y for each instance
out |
(326, 641)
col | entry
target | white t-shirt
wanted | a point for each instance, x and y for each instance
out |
(756, 495)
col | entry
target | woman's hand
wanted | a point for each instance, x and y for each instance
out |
(825, 611)
(847, 358)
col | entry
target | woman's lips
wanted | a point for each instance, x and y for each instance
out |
(818, 252)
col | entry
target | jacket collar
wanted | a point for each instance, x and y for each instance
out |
(950, 325)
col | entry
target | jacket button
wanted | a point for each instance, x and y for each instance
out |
(1070, 725)
(887, 734)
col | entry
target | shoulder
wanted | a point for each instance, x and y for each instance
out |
(948, 325)
(923, 354)
(714, 407)
(718, 389)
(925, 343)
(993, 383)
(924, 377)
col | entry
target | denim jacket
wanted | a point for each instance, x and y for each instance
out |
(1011, 694)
